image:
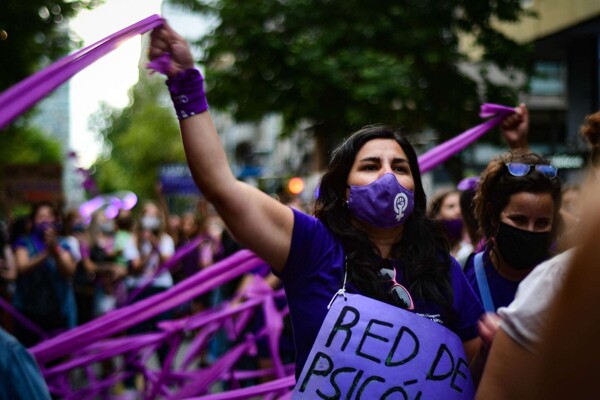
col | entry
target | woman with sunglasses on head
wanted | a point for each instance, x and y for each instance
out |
(517, 353)
(517, 204)
(370, 229)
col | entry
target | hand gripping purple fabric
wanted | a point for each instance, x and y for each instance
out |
(186, 88)
(19, 98)
(444, 151)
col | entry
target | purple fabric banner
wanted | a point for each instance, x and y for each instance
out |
(126, 317)
(21, 319)
(251, 392)
(372, 350)
(91, 344)
(444, 151)
(19, 98)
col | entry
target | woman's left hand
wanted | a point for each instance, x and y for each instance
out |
(488, 326)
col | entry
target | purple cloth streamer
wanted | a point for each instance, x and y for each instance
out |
(249, 392)
(274, 327)
(160, 64)
(444, 151)
(159, 381)
(198, 382)
(20, 97)
(224, 364)
(126, 317)
(111, 348)
(23, 320)
(489, 110)
(241, 375)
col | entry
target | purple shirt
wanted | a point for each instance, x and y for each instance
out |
(314, 272)
(502, 290)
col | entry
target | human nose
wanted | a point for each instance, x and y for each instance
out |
(386, 169)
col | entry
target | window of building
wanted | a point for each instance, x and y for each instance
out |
(548, 79)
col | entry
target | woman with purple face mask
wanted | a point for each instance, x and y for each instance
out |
(45, 266)
(370, 234)
(445, 208)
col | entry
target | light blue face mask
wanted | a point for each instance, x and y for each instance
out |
(384, 203)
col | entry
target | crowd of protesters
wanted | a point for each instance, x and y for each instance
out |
(58, 270)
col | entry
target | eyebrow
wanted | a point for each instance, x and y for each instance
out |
(378, 159)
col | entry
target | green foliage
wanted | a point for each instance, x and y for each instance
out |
(138, 140)
(33, 33)
(343, 64)
(28, 146)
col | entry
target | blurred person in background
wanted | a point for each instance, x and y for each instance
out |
(45, 268)
(155, 246)
(193, 227)
(8, 274)
(103, 255)
(84, 280)
(127, 254)
(445, 208)
(145, 278)
(468, 188)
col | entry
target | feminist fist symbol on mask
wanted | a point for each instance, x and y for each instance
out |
(400, 204)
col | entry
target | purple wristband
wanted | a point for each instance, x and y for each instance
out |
(187, 93)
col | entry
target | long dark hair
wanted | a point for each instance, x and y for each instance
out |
(423, 249)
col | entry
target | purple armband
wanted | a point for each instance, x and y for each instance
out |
(187, 93)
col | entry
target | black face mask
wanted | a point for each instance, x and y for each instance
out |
(522, 249)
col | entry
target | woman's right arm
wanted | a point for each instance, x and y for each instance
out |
(8, 267)
(25, 264)
(258, 221)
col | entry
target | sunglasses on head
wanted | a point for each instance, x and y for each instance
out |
(522, 169)
(399, 293)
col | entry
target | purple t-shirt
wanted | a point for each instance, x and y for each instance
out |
(314, 272)
(501, 289)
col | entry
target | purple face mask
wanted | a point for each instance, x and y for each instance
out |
(384, 203)
(41, 228)
(453, 229)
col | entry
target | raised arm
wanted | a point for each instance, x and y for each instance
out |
(258, 221)
(515, 129)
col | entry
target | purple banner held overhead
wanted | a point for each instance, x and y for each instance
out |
(449, 148)
(372, 350)
(19, 98)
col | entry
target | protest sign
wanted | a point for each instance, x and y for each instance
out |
(367, 349)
